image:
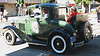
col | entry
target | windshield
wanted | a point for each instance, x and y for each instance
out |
(35, 12)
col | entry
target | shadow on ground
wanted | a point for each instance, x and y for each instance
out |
(92, 48)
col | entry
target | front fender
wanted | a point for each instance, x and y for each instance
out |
(18, 33)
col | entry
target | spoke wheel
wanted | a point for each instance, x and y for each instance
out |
(9, 37)
(85, 32)
(88, 32)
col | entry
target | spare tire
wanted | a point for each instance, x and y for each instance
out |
(85, 31)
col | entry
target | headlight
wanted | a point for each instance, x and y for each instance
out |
(13, 23)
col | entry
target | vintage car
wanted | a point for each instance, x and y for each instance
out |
(46, 26)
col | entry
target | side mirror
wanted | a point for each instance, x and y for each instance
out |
(26, 12)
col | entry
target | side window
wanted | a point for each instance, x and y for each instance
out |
(35, 13)
(56, 13)
(60, 13)
(45, 12)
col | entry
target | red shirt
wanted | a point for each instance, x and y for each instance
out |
(73, 14)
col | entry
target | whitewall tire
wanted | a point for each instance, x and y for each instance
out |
(58, 44)
(9, 37)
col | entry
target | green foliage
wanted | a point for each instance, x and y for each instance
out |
(85, 2)
(48, 1)
(97, 0)
(20, 2)
(77, 2)
(45, 1)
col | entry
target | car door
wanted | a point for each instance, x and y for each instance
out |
(46, 25)
(34, 25)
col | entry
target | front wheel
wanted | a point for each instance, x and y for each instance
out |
(9, 37)
(58, 44)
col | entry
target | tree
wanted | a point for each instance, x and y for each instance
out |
(20, 3)
(97, 0)
(77, 2)
(48, 1)
(84, 2)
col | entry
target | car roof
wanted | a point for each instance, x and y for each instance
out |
(52, 5)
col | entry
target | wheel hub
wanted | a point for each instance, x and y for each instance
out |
(87, 33)
(58, 43)
(9, 38)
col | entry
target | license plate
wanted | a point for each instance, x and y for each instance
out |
(73, 39)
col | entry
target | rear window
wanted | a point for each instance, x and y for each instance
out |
(60, 13)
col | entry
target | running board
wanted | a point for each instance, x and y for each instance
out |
(37, 42)
(79, 44)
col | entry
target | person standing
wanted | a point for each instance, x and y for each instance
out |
(1, 15)
(23, 12)
(5, 14)
(72, 17)
(73, 14)
(98, 14)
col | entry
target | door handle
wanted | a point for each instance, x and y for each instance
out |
(26, 20)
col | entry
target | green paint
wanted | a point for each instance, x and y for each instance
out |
(43, 26)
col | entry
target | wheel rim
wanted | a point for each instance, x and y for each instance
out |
(87, 33)
(58, 44)
(8, 37)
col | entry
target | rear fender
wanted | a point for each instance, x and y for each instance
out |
(18, 33)
(60, 31)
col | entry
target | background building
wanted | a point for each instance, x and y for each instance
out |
(10, 5)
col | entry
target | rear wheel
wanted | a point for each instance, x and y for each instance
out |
(9, 37)
(58, 44)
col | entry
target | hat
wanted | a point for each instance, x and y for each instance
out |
(74, 8)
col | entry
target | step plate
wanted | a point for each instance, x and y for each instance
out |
(79, 44)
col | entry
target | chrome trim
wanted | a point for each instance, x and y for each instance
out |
(79, 44)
